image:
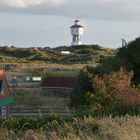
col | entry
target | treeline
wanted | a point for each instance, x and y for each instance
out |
(130, 56)
(127, 57)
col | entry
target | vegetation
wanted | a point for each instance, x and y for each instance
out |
(56, 128)
(38, 98)
(79, 54)
(130, 56)
(27, 54)
(46, 73)
(127, 57)
(109, 88)
(86, 53)
(105, 95)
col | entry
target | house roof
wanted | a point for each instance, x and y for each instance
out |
(2, 74)
(2, 78)
(6, 90)
(58, 82)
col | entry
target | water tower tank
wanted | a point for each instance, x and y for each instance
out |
(77, 32)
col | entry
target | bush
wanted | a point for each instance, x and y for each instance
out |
(83, 84)
(112, 93)
(113, 90)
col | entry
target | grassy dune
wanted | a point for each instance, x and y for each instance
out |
(79, 54)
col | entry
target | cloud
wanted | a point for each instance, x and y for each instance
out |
(93, 9)
(27, 3)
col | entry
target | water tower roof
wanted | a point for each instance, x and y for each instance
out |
(76, 21)
(77, 26)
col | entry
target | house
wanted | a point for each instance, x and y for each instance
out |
(58, 82)
(6, 98)
(36, 79)
(65, 52)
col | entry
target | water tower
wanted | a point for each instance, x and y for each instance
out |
(77, 32)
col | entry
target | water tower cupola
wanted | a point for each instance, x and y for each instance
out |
(77, 32)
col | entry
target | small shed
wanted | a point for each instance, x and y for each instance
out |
(65, 52)
(59, 82)
(36, 79)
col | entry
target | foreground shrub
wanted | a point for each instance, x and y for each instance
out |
(113, 93)
(112, 87)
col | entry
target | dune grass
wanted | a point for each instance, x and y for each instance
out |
(88, 128)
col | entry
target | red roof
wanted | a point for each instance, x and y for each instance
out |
(3, 81)
(58, 82)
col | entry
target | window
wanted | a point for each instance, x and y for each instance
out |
(1, 87)
(3, 112)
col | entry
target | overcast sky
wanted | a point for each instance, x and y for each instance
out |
(26, 23)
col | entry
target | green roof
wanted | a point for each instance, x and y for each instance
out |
(6, 101)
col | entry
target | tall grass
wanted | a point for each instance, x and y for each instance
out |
(88, 128)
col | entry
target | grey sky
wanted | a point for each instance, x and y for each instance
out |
(26, 23)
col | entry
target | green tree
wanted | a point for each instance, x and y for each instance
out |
(84, 84)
